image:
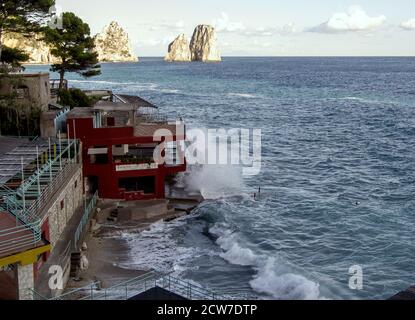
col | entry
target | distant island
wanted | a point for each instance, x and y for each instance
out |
(202, 47)
(113, 45)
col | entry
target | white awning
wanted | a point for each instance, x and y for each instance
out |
(94, 151)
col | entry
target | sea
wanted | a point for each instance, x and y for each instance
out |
(335, 218)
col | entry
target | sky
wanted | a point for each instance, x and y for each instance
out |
(262, 27)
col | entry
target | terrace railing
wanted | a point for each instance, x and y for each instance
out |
(89, 208)
(17, 238)
(131, 288)
(58, 181)
(29, 213)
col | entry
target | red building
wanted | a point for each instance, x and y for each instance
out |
(118, 140)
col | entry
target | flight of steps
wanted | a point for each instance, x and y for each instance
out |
(75, 265)
(113, 217)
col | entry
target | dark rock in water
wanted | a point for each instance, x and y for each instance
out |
(408, 294)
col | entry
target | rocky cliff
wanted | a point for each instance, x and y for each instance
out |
(38, 51)
(203, 45)
(179, 50)
(113, 45)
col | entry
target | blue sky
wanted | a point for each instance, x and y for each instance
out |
(262, 27)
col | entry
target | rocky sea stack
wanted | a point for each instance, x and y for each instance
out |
(179, 50)
(202, 47)
(113, 45)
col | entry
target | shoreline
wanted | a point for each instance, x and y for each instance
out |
(106, 250)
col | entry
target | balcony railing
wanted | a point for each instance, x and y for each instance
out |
(131, 288)
(85, 218)
(27, 204)
(14, 239)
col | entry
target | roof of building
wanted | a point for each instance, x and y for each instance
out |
(114, 106)
(25, 75)
(17, 151)
(136, 100)
(150, 129)
(80, 113)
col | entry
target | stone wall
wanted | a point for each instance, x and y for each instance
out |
(26, 281)
(62, 210)
(32, 89)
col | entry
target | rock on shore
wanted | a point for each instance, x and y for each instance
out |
(203, 45)
(113, 45)
(179, 50)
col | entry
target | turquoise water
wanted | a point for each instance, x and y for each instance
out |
(337, 175)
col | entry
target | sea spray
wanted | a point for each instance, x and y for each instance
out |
(213, 182)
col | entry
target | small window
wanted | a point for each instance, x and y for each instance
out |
(62, 204)
(22, 92)
(76, 184)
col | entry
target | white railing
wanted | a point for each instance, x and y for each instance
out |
(17, 238)
(131, 288)
(85, 218)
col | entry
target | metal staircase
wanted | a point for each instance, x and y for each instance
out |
(26, 203)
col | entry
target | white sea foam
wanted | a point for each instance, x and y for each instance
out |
(363, 100)
(242, 95)
(288, 286)
(141, 86)
(103, 82)
(272, 277)
(157, 249)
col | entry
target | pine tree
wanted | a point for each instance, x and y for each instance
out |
(23, 16)
(74, 47)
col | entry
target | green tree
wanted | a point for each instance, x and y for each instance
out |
(12, 57)
(74, 46)
(76, 98)
(23, 16)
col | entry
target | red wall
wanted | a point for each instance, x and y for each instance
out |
(106, 173)
(46, 234)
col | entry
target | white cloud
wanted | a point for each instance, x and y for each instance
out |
(285, 30)
(260, 31)
(174, 26)
(224, 24)
(288, 28)
(356, 19)
(154, 42)
(408, 25)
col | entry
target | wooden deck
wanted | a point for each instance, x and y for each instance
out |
(10, 240)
